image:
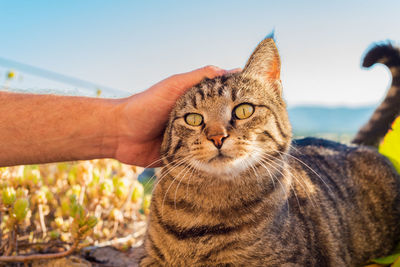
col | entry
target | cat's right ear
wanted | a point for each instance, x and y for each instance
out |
(264, 64)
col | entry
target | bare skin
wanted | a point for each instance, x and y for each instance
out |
(49, 128)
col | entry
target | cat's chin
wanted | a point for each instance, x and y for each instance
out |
(225, 166)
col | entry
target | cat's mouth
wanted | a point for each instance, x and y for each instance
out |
(226, 163)
(220, 157)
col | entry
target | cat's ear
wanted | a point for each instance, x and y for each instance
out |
(264, 64)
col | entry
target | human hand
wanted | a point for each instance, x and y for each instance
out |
(142, 117)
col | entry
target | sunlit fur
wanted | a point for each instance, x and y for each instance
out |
(261, 199)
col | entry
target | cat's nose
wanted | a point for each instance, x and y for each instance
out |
(218, 139)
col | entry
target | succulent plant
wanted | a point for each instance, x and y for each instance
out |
(93, 200)
(20, 209)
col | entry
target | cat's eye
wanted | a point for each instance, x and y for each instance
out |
(243, 111)
(194, 119)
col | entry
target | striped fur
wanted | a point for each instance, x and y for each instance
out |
(261, 199)
(372, 133)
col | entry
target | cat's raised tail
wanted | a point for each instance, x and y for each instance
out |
(372, 133)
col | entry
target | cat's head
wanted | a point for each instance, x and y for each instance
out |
(227, 125)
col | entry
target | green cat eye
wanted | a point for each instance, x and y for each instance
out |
(194, 119)
(243, 111)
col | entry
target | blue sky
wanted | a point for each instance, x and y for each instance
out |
(130, 45)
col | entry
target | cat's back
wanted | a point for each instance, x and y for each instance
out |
(352, 193)
(344, 164)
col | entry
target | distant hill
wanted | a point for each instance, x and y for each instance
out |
(315, 119)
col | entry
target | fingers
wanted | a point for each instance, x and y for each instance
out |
(208, 71)
(174, 86)
(191, 78)
(211, 71)
(234, 70)
(186, 80)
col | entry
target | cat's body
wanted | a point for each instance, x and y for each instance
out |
(236, 191)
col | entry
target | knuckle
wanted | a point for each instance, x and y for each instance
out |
(210, 68)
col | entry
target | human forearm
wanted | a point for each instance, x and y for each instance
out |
(49, 128)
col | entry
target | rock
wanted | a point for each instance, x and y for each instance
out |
(71, 261)
(109, 256)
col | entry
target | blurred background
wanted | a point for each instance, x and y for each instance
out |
(120, 48)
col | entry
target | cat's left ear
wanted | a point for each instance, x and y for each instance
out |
(264, 64)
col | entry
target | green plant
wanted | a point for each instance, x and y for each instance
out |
(390, 146)
(54, 209)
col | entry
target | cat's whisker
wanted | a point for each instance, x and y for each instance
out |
(306, 165)
(154, 175)
(170, 184)
(283, 188)
(252, 167)
(284, 163)
(156, 161)
(294, 190)
(272, 162)
(283, 175)
(178, 163)
(295, 149)
(259, 161)
(287, 168)
(188, 182)
(180, 181)
(247, 161)
(272, 176)
(298, 179)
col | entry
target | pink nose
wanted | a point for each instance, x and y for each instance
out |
(218, 139)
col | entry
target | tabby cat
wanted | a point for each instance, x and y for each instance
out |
(237, 191)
